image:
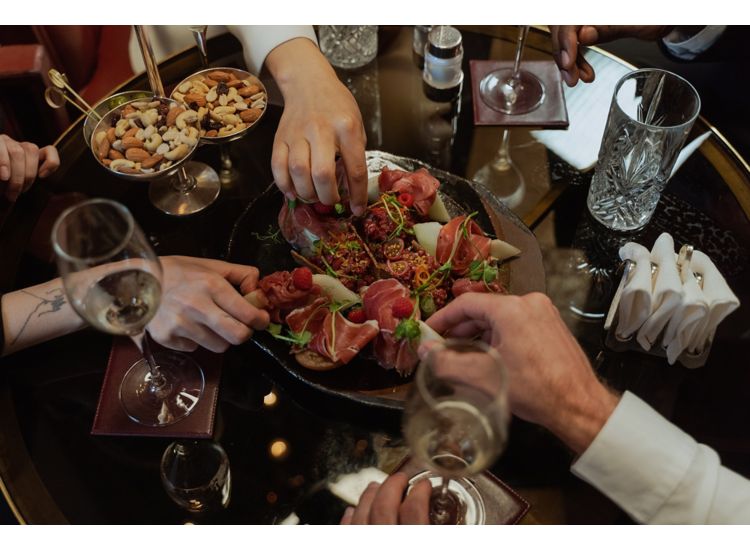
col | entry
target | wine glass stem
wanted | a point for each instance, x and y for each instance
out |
(226, 160)
(502, 160)
(184, 182)
(157, 378)
(523, 31)
(199, 33)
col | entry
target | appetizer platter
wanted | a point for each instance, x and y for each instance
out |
(348, 296)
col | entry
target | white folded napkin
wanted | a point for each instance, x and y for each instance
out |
(717, 294)
(666, 294)
(635, 301)
(349, 487)
(688, 317)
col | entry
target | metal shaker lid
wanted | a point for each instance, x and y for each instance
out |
(444, 42)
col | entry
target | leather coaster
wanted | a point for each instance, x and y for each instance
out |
(111, 418)
(503, 506)
(552, 113)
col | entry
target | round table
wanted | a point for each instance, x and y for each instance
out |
(54, 471)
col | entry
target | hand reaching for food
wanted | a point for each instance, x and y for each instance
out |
(21, 163)
(201, 305)
(386, 504)
(321, 119)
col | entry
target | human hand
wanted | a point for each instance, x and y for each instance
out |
(566, 40)
(550, 380)
(321, 118)
(386, 504)
(19, 165)
(201, 307)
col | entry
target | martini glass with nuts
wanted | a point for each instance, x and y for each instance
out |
(152, 139)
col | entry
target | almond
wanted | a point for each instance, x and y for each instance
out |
(137, 155)
(151, 161)
(131, 142)
(114, 154)
(250, 115)
(210, 82)
(172, 115)
(111, 135)
(127, 110)
(234, 84)
(212, 133)
(102, 149)
(126, 170)
(220, 76)
(198, 99)
(247, 91)
(106, 162)
(130, 133)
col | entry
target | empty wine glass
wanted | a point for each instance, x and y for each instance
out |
(196, 475)
(513, 91)
(501, 176)
(112, 278)
(456, 422)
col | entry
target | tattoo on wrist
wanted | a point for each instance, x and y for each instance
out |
(51, 302)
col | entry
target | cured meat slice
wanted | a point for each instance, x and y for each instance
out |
(390, 352)
(419, 184)
(282, 296)
(301, 226)
(467, 250)
(462, 286)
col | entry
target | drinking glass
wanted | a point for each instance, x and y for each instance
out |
(501, 176)
(112, 278)
(348, 46)
(513, 91)
(196, 475)
(650, 117)
(456, 423)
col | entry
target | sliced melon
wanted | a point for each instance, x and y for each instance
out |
(502, 250)
(373, 189)
(427, 334)
(437, 211)
(427, 235)
(335, 289)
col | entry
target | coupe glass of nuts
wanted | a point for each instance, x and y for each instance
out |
(229, 102)
(152, 139)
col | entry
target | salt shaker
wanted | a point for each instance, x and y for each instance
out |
(442, 74)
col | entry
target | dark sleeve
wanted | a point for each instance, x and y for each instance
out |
(2, 328)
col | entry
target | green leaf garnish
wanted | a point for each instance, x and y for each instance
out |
(339, 208)
(407, 329)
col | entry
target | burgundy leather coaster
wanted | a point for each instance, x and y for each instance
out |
(552, 113)
(503, 506)
(111, 418)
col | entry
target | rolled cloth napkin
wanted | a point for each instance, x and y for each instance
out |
(666, 294)
(635, 301)
(719, 297)
(687, 318)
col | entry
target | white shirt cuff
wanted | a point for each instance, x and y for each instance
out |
(258, 40)
(689, 48)
(638, 458)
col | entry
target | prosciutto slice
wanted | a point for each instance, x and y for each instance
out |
(333, 335)
(378, 301)
(301, 226)
(462, 286)
(282, 296)
(476, 247)
(419, 184)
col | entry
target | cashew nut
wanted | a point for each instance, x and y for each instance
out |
(188, 117)
(189, 136)
(228, 110)
(177, 153)
(185, 87)
(162, 149)
(201, 86)
(121, 163)
(149, 117)
(178, 96)
(140, 134)
(170, 134)
(153, 142)
(211, 95)
(149, 131)
(140, 105)
(121, 127)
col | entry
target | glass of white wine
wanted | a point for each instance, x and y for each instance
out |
(456, 423)
(112, 278)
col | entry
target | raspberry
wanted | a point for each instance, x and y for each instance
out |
(302, 278)
(402, 308)
(357, 316)
(406, 199)
(323, 209)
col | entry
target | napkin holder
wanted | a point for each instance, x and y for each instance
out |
(618, 344)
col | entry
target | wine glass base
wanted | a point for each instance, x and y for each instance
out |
(165, 196)
(496, 91)
(163, 407)
(466, 499)
(505, 182)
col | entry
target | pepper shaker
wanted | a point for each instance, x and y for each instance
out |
(442, 75)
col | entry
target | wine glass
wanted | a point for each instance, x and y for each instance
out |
(112, 278)
(513, 91)
(456, 422)
(501, 176)
(196, 475)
